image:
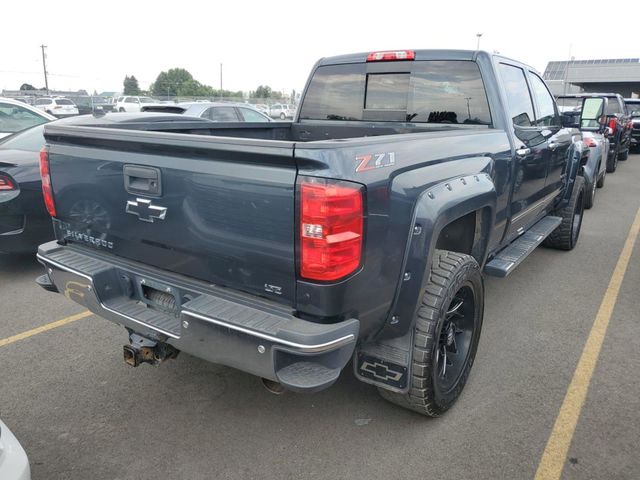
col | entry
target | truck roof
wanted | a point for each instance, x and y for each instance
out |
(424, 54)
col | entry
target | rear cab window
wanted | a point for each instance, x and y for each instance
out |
(613, 106)
(426, 91)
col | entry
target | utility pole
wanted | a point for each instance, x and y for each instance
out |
(566, 71)
(44, 66)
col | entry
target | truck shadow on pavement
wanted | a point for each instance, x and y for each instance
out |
(22, 263)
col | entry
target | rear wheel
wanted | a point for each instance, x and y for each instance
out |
(600, 183)
(282, 116)
(121, 110)
(566, 235)
(622, 156)
(447, 330)
(612, 163)
(590, 194)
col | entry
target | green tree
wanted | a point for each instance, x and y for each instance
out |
(175, 81)
(27, 86)
(263, 91)
(131, 86)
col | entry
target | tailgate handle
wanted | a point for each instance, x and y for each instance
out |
(144, 180)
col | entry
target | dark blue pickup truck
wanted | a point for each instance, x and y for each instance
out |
(358, 231)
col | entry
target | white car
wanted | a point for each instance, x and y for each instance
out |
(14, 464)
(16, 116)
(282, 111)
(130, 103)
(58, 107)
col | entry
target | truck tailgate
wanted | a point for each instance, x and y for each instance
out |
(216, 209)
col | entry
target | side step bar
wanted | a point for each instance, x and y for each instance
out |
(510, 257)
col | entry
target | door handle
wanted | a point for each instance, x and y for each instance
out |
(523, 151)
(142, 180)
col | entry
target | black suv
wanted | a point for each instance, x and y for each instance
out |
(633, 107)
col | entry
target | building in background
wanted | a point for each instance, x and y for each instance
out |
(619, 75)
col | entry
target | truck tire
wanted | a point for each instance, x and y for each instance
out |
(612, 163)
(622, 156)
(600, 183)
(447, 330)
(566, 235)
(589, 194)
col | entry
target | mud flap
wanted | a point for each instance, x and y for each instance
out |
(385, 363)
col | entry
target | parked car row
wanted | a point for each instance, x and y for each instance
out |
(608, 144)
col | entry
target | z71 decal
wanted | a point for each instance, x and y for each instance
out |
(376, 160)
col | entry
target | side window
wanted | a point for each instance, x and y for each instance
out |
(518, 96)
(221, 114)
(547, 113)
(613, 107)
(251, 115)
(14, 118)
(130, 100)
(448, 92)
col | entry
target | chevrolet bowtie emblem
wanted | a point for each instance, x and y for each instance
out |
(145, 210)
(380, 371)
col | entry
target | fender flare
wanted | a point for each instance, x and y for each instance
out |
(574, 164)
(434, 209)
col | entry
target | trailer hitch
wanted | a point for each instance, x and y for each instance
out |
(142, 350)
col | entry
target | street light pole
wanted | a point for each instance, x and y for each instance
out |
(221, 81)
(478, 44)
(44, 66)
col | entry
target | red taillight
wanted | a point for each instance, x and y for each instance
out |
(6, 183)
(331, 222)
(589, 142)
(391, 55)
(47, 191)
(612, 124)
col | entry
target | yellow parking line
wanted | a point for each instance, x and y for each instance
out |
(555, 453)
(44, 328)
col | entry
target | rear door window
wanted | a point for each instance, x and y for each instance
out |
(432, 91)
(251, 115)
(546, 108)
(518, 96)
(613, 106)
(221, 114)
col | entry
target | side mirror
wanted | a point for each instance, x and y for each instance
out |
(592, 116)
(570, 119)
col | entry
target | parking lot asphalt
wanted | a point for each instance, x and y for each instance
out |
(81, 413)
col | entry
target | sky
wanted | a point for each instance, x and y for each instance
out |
(92, 45)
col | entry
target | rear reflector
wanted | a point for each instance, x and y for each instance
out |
(391, 55)
(47, 191)
(6, 183)
(331, 224)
